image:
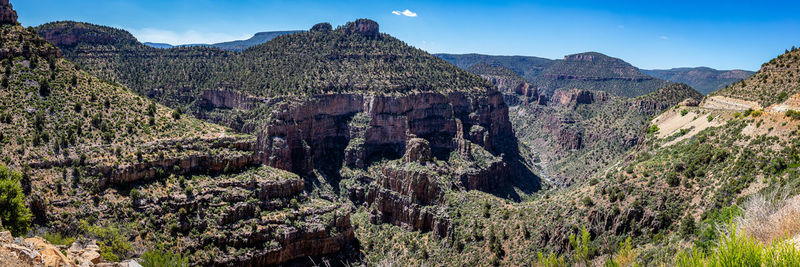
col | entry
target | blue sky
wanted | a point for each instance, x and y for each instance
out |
(649, 34)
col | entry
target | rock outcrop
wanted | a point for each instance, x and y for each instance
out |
(689, 102)
(318, 129)
(365, 27)
(574, 97)
(408, 192)
(322, 27)
(35, 251)
(7, 13)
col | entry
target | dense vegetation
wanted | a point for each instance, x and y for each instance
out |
(314, 62)
(14, 215)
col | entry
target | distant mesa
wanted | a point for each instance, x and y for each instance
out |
(322, 27)
(365, 27)
(589, 56)
(7, 13)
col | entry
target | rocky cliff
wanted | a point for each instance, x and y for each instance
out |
(574, 97)
(315, 130)
(7, 13)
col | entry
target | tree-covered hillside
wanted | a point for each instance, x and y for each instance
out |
(315, 62)
(590, 71)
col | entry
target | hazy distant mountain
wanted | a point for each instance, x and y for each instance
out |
(159, 45)
(592, 71)
(705, 80)
(238, 46)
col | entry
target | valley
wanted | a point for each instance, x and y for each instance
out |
(346, 146)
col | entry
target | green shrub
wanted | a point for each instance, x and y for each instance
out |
(176, 114)
(551, 260)
(736, 248)
(13, 213)
(114, 246)
(653, 129)
(58, 239)
(587, 201)
(687, 226)
(581, 248)
(747, 112)
(673, 180)
(684, 112)
(162, 258)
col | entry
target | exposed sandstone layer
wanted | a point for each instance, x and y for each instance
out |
(573, 97)
(410, 192)
(301, 134)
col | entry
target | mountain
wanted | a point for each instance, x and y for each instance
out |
(590, 71)
(357, 114)
(159, 45)
(237, 46)
(705, 80)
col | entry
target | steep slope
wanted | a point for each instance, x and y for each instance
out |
(359, 115)
(705, 80)
(774, 83)
(93, 155)
(172, 76)
(236, 46)
(590, 71)
(695, 166)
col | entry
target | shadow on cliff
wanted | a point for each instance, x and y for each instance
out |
(521, 178)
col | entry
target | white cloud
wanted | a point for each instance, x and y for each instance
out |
(663, 37)
(187, 37)
(406, 13)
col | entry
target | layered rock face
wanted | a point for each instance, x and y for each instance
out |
(573, 97)
(281, 224)
(7, 13)
(410, 192)
(314, 130)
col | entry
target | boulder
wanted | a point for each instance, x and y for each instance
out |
(85, 253)
(689, 102)
(51, 255)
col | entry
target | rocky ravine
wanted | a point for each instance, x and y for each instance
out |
(329, 132)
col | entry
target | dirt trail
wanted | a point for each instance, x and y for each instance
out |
(727, 103)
